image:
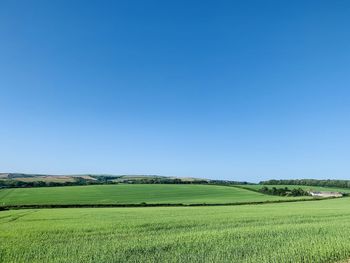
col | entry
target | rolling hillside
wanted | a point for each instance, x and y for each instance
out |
(131, 194)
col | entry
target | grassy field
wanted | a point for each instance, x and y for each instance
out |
(131, 194)
(304, 187)
(285, 232)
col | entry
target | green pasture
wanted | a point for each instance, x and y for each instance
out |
(284, 232)
(131, 194)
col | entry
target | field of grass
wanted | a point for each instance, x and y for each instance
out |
(304, 187)
(131, 194)
(285, 232)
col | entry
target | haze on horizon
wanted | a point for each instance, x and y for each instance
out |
(240, 90)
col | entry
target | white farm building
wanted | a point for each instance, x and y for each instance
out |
(325, 194)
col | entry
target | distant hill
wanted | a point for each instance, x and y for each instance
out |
(43, 177)
(93, 177)
(38, 180)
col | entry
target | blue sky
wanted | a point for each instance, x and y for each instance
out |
(241, 90)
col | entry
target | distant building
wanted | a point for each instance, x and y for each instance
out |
(325, 194)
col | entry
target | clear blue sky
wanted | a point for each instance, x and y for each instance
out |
(241, 90)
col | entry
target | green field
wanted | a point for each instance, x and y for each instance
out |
(285, 232)
(304, 187)
(317, 231)
(131, 194)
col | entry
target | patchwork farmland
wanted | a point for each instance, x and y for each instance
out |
(250, 228)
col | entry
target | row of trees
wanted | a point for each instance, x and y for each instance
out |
(11, 183)
(24, 184)
(227, 182)
(164, 181)
(283, 191)
(310, 182)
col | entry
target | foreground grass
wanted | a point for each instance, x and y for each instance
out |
(286, 232)
(131, 194)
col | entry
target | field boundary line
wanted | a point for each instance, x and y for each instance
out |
(48, 206)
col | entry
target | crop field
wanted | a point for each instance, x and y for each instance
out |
(284, 232)
(304, 187)
(131, 194)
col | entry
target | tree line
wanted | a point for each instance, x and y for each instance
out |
(283, 191)
(11, 183)
(26, 184)
(310, 182)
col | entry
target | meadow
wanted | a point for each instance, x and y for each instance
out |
(132, 194)
(284, 232)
